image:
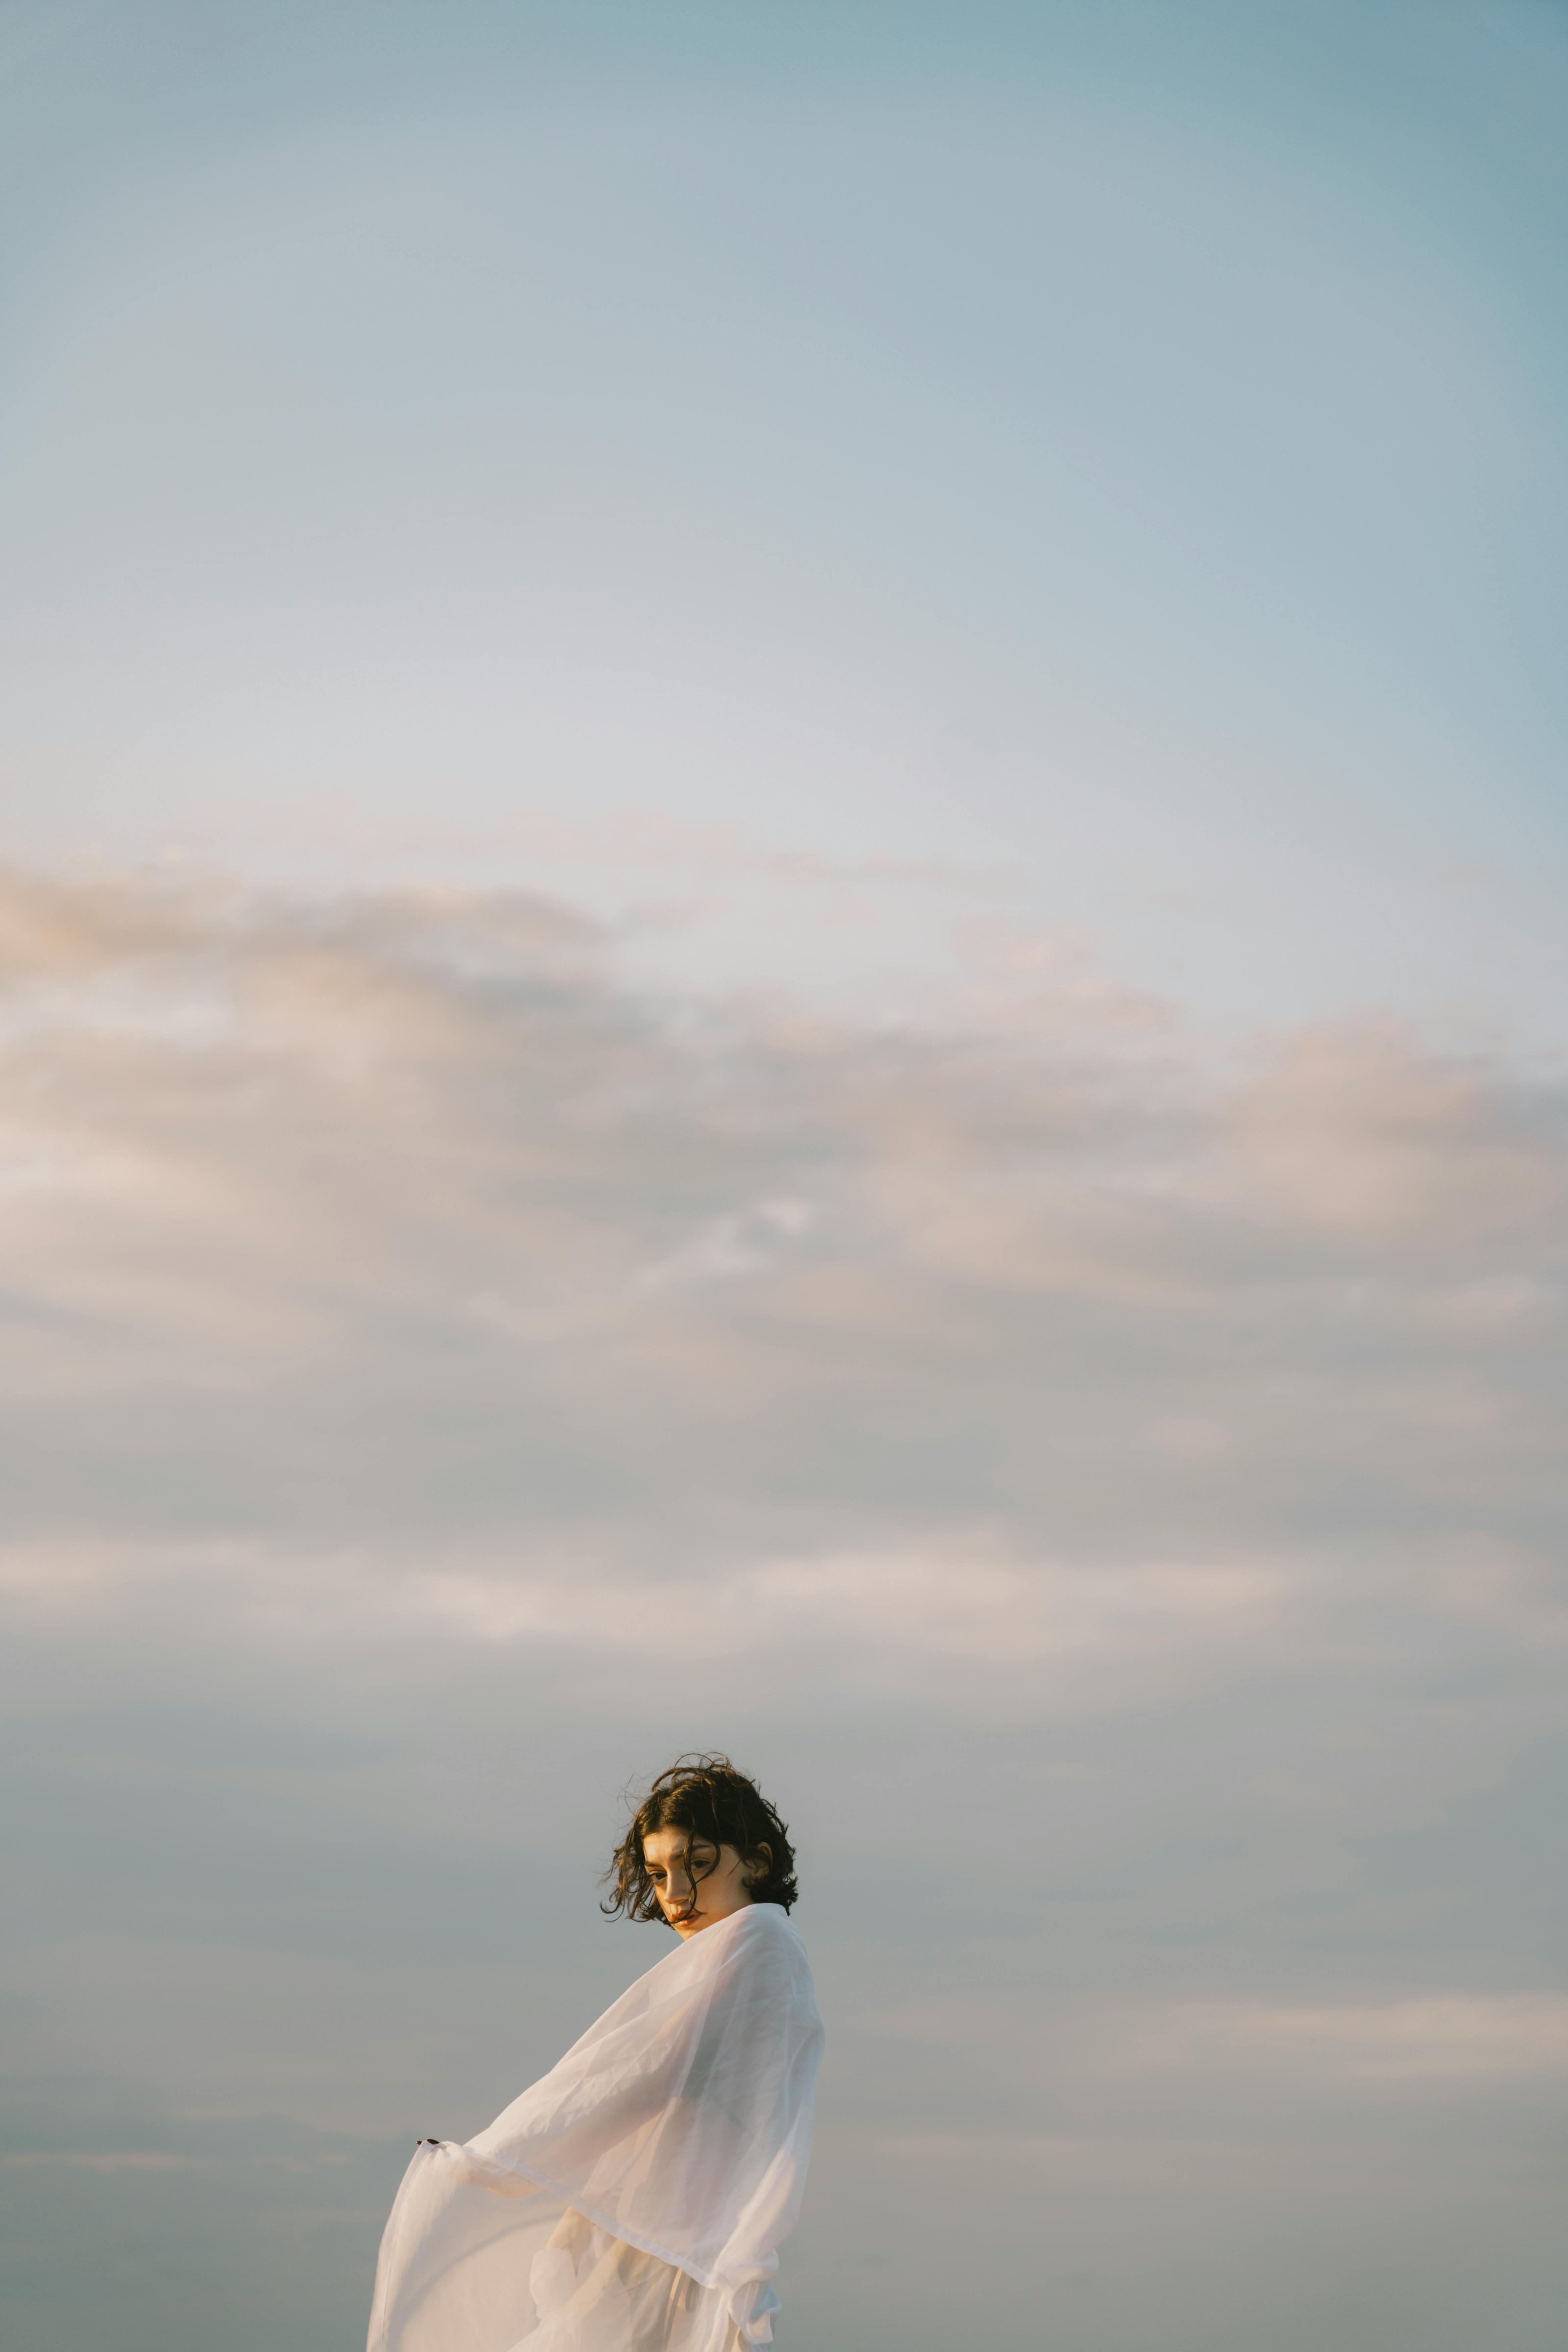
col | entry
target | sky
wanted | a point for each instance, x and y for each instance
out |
(781, 860)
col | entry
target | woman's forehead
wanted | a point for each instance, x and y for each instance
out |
(666, 1843)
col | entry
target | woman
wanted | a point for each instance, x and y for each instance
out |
(635, 2199)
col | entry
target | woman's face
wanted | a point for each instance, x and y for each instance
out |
(671, 1857)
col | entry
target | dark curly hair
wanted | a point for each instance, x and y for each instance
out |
(708, 1798)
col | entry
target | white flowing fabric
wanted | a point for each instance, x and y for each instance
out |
(635, 2199)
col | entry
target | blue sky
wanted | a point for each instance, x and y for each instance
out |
(1120, 446)
(781, 933)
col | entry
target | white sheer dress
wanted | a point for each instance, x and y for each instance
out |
(634, 2199)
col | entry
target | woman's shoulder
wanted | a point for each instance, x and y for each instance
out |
(773, 1920)
(765, 1937)
(764, 1922)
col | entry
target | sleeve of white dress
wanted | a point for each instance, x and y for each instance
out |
(679, 2124)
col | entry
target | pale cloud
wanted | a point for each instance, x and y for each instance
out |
(1239, 2055)
(1441, 2039)
(1352, 1134)
(962, 1604)
(1002, 1339)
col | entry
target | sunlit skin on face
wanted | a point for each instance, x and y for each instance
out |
(672, 1858)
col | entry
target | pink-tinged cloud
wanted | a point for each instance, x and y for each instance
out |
(400, 1230)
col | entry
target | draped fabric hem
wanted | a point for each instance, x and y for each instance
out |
(391, 2247)
(751, 2303)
